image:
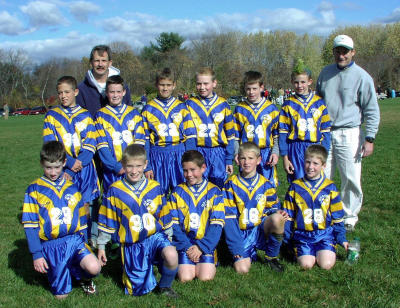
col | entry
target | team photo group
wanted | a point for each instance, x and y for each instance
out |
(165, 185)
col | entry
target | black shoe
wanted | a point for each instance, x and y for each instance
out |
(169, 292)
(275, 265)
(88, 287)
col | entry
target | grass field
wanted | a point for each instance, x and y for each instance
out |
(373, 282)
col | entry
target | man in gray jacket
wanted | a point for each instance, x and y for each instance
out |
(349, 93)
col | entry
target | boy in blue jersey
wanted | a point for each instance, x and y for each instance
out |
(118, 125)
(170, 131)
(198, 216)
(303, 120)
(253, 218)
(257, 120)
(215, 128)
(54, 217)
(315, 214)
(133, 208)
(73, 126)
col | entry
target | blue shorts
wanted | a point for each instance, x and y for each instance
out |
(63, 256)
(110, 177)
(297, 150)
(208, 258)
(253, 239)
(310, 242)
(215, 162)
(166, 165)
(137, 263)
(267, 171)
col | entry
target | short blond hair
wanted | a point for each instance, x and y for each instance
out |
(133, 151)
(318, 151)
(208, 71)
(249, 146)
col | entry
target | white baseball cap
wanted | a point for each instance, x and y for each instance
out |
(344, 41)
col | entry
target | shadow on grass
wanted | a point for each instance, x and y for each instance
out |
(20, 261)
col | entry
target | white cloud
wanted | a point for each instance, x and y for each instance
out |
(82, 9)
(325, 8)
(393, 17)
(10, 25)
(73, 45)
(43, 14)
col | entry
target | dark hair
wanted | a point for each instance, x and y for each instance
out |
(318, 151)
(193, 156)
(253, 77)
(100, 49)
(52, 151)
(133, 151)
(115, 79)
(166, 73)
(68, 80)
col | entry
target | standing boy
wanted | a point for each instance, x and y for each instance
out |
(53, 218)
(315, 214)
(118, 125)
(303, 120)
(198, 215)
(215, 129)
(74, 128)
(253, 219)
(170, 130)
(257, 121)
(132, 208)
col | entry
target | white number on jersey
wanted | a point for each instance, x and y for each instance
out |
(170, 130)
(318, 216)
(306, 125)
(194, 221)
(70, 140)
(251, 215)
(207, 130)
(138, 223)
(259, 130)
(56, 213)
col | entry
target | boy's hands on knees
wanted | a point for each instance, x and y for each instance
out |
(194, 253)
(273, 160)
(40, 265)
(229, 169)
(149, 175)
(101, 255)
(287, 165)
(284, 214)
(77, 166)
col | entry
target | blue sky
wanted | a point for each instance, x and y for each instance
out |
(55, 28)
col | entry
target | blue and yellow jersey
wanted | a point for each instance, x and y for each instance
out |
(195, 209)
(313, 208)
(258, 123)
(304, 119)
(55, 208)
(167, 123)
(249, 201)
(134, 214)
(213, 120)
(119, 127)
(73, 127)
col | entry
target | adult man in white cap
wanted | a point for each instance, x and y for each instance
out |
(349, 93)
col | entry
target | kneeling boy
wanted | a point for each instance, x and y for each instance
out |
(198, 214)
(253, 219)
(315, 214)
(53, 218)
(132, 208)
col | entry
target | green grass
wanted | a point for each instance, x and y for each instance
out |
(373, 282)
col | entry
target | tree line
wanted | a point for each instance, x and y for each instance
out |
(229, 53)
